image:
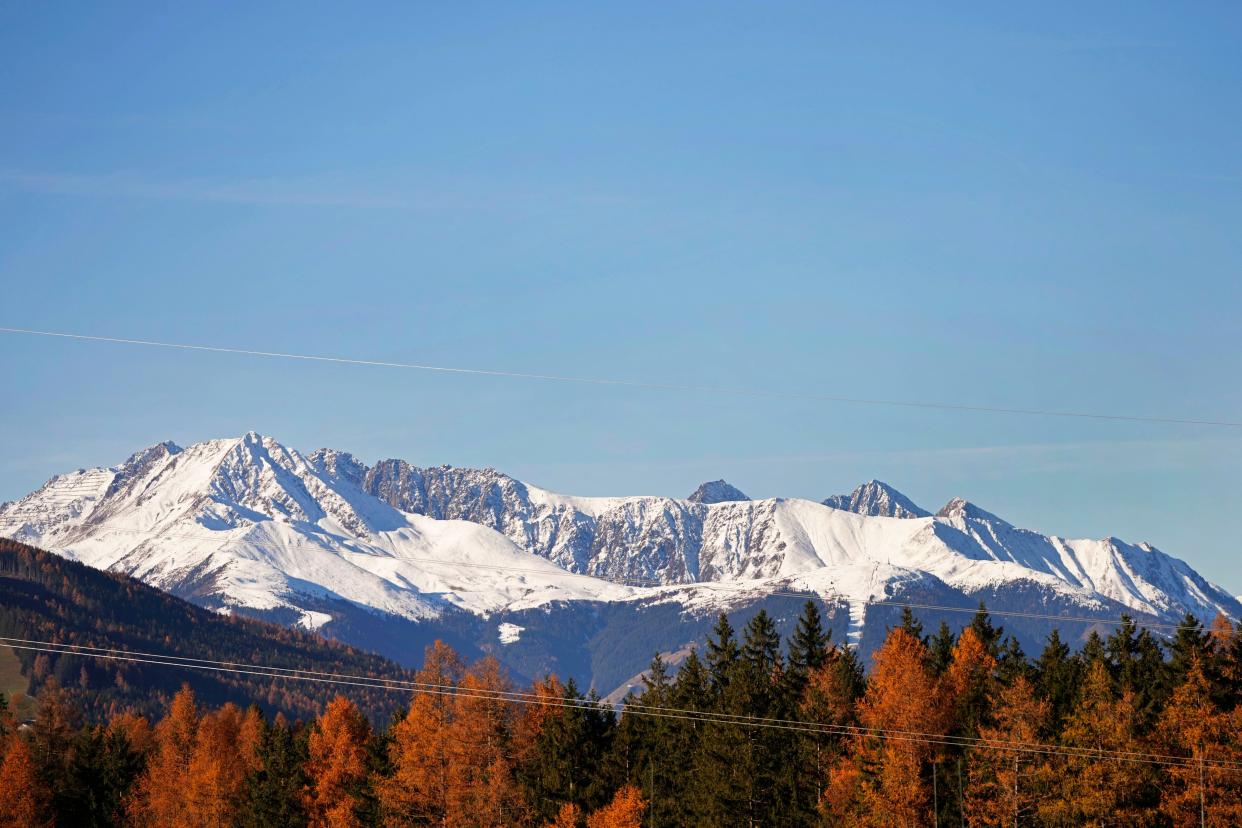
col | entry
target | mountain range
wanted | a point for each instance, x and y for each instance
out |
(389, 556)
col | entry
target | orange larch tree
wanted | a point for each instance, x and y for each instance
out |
(1005, 787)
(159, 795)
(337, 765)
(1192, 727)
(624, 811)
(882, 782)
(22, 802)
(1097, 785)
(424, 750)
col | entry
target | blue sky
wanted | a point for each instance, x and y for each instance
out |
(978, 205)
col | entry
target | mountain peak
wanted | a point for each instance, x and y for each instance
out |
(717, 491)
(960, 507)
(877, 499)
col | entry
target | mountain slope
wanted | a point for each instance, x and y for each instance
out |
(384, 555)
(44, 597)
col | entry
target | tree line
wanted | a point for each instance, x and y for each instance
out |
(944, 729)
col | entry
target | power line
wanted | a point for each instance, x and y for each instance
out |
(639, 708)
(647, 583)
(620, 383)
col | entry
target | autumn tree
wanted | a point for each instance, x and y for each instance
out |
(1098, 785)
(337, 765)
(226, 750)
(1006, 785)
(22, 796)
(882, 782)
(159, 796)
(624, 811)
(1210, 743)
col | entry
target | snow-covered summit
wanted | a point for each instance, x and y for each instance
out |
(716, 491)
(878, 500)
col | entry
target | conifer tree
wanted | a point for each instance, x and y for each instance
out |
(941, 648)
(882, 781)
(22, 796)
(102, 769)
(911, 624)
(989, 634)
(566, 764)
(808, 647)
(1013, 663)
(969, 683)
(273, 793)
(158, 798)
(1006, 787)
(1057, 675)
(337, 766)
(1095, 789)
(722, 653)
(1193, 727)
(1191, 645)
(624, 811)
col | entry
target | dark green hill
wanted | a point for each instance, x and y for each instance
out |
(44, 597)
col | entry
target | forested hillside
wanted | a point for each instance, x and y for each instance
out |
(45, 598)
(948, 728)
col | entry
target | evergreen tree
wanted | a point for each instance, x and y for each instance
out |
(988, 634)
(1191, 645)
(1056, 679)
(102, 768)
(808, 648)
(1013, 663)
(273, 792)
(941, 647)
(911, 624)
(722, 652)
(566, 766)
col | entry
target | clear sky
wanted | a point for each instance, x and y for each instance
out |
(981, 205)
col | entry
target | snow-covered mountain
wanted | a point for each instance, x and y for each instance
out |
(878, 500)
(326, 541)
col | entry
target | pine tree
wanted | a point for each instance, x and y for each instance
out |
(988, 634)
(274, 791)
(1191, 645)
(722, 653)
(808, 647)
(1057, 676)
(941, 647)
(565, 764)
(648, 748)
(911, 624)
(102, 769)
(1012, 663)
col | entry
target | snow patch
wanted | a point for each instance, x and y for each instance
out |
(509, 633)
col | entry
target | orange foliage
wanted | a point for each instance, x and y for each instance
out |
(337, 765)
(21, 804)
(568, 817)
(625, 811)
(1193, 728)
(159, 797)
(1003, 785)
(450, 757)
(901, 695)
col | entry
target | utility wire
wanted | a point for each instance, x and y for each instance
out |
(639, 708)
(658, 386)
